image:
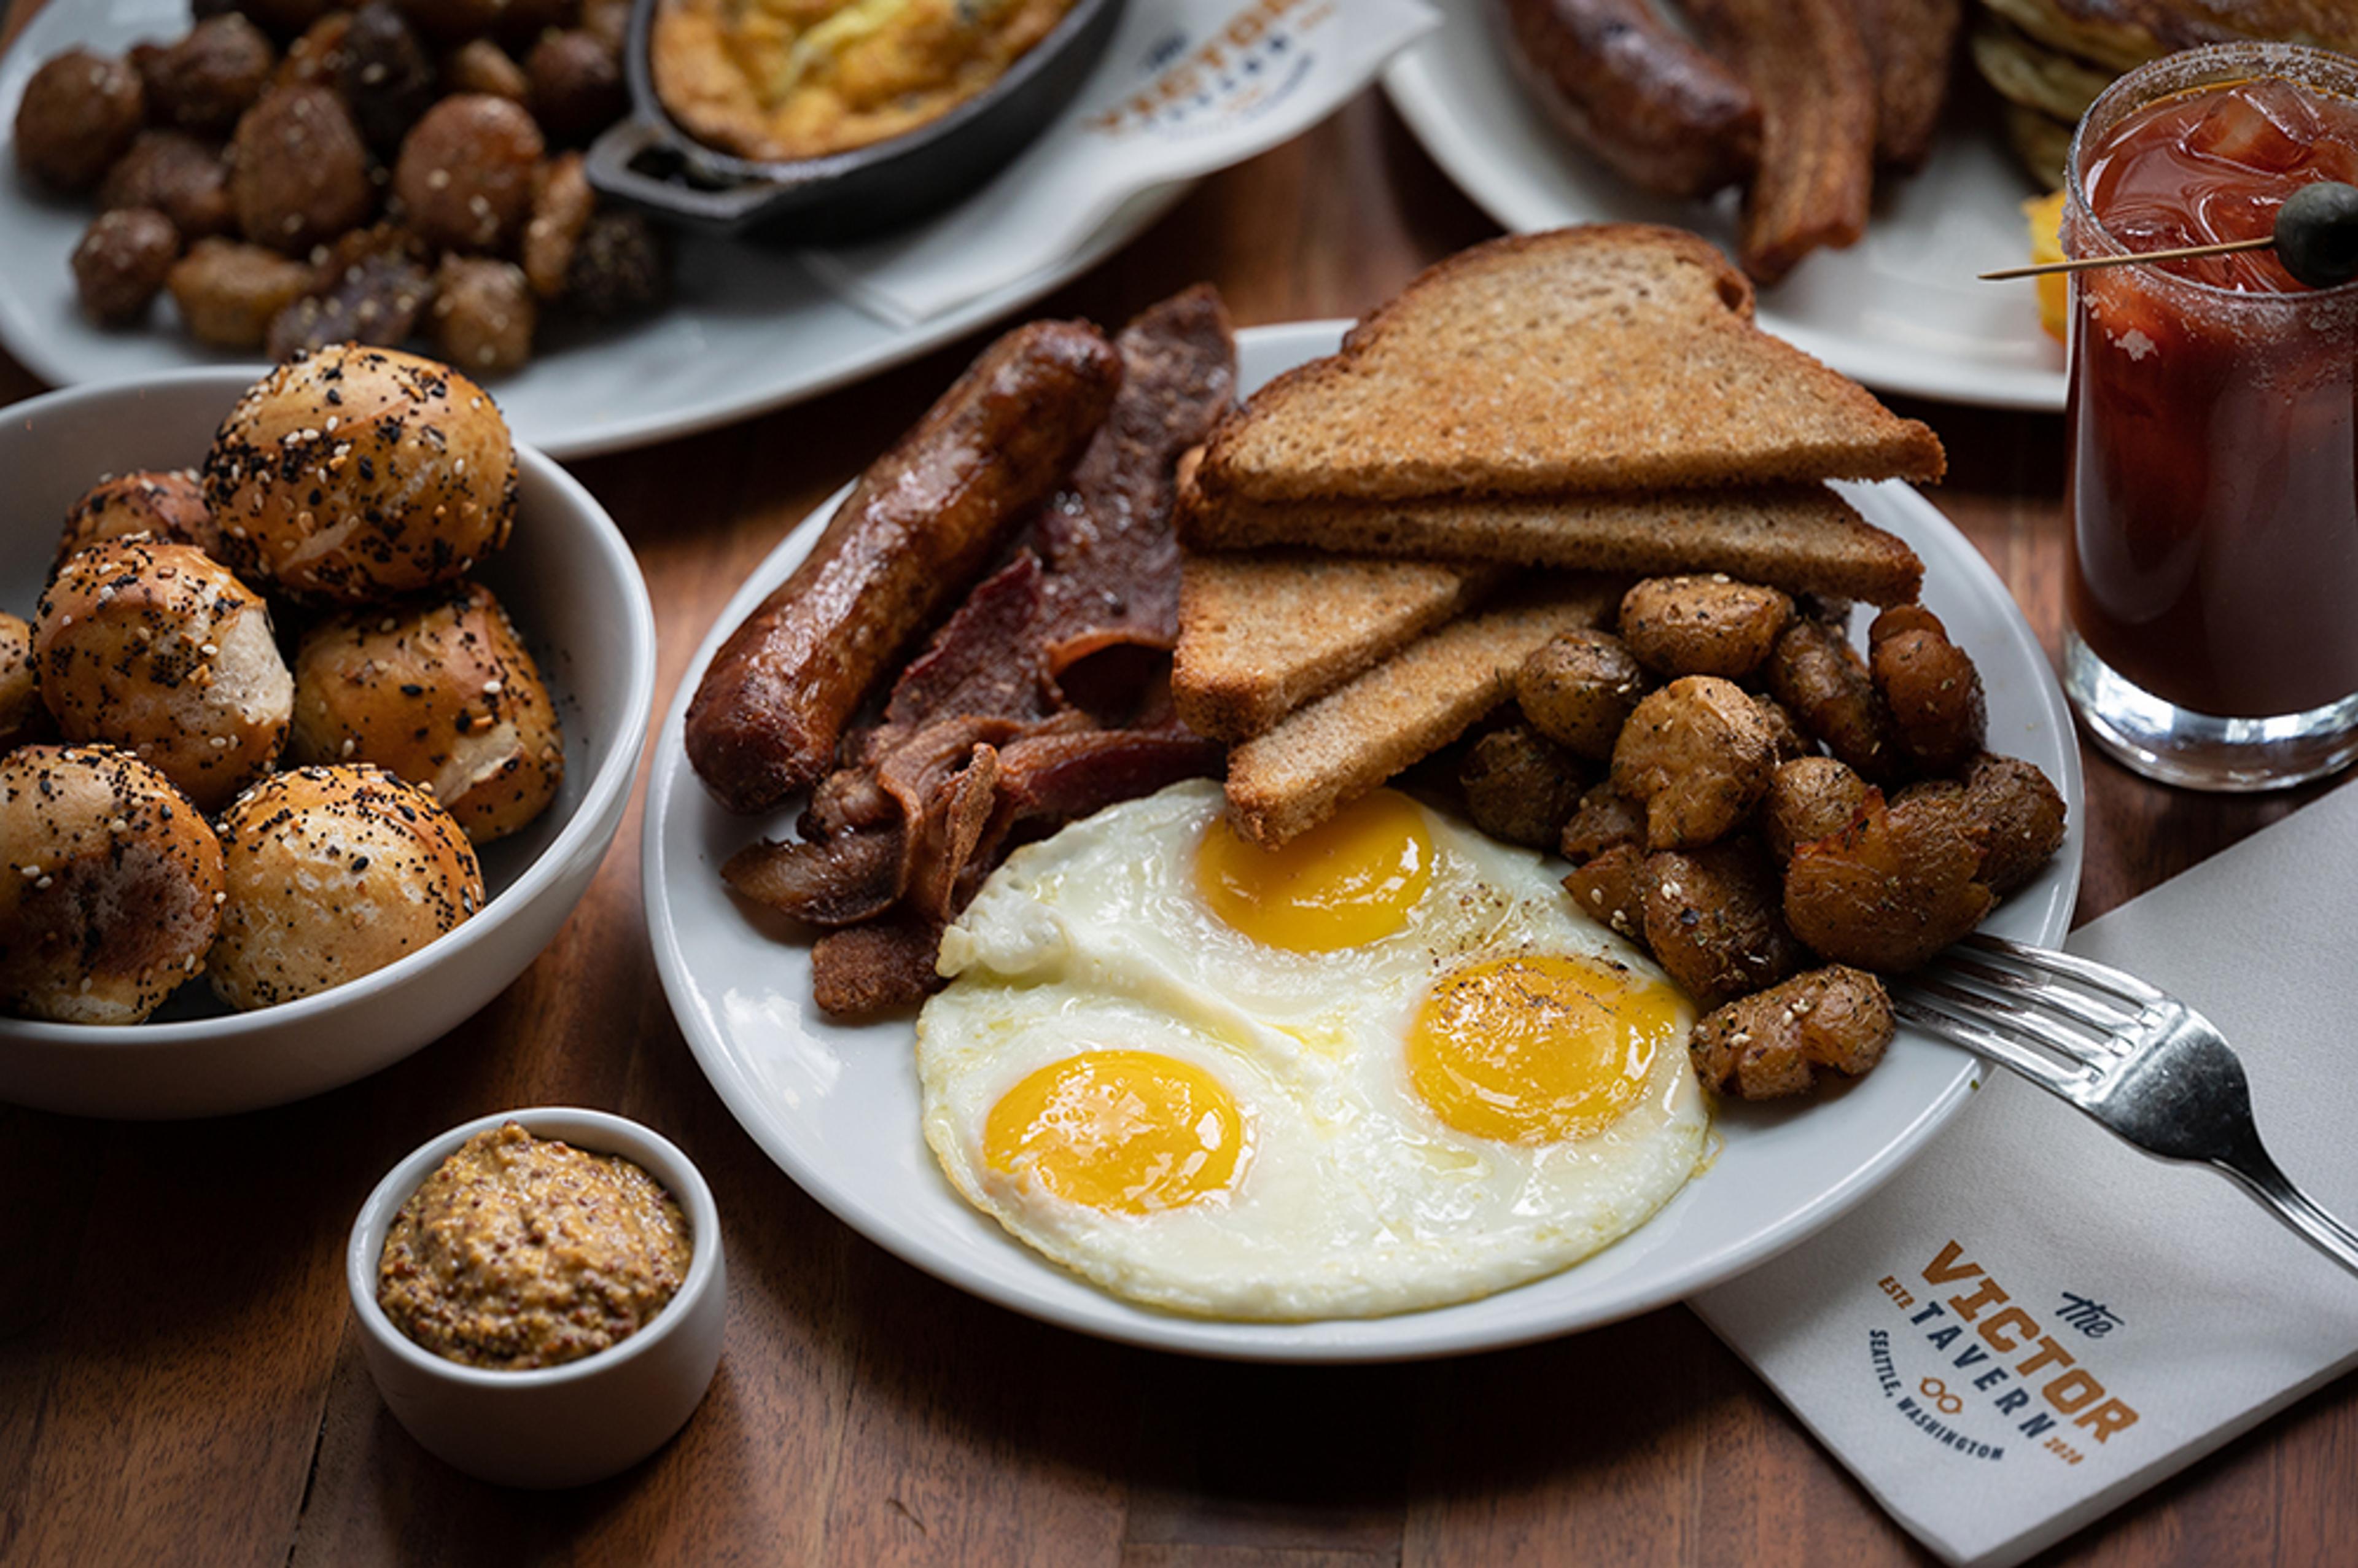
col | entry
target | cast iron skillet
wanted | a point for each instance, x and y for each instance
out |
(649, 161)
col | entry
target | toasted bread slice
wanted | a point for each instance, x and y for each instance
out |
(1261, 633)
(1802, 538)
(1322, 757)
(1611, 356)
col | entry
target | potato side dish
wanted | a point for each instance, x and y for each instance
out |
(362, 481)
(1773, 882)
(391, 172)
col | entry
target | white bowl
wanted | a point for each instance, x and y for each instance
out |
(551, 1426)
(568, 580)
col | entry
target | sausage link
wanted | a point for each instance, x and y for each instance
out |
(904, 544)
(1618, 78)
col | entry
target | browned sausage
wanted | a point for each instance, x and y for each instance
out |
(1656, 109)
(903, 544)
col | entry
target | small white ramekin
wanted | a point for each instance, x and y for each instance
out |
(551, 1426)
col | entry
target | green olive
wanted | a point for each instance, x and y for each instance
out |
(2317, 234)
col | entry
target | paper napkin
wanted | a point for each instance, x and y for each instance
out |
(1186, 87)
(2033, 1322)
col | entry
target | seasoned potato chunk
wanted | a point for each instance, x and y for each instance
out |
(1821, 679)
(1520, 787)
(2021, 817)
(1809, 799)
(1898, 884)
(1783, 1040)
(1709, 625)
(1698, 754)
(1606, 819)
(1714, 922)
(1930, 686)
(1579, 691)
(228, 294)
(1785, 733)
(1610, 890)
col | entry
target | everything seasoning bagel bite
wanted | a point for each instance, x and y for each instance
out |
(360, 474)
(332, 873)
(157, 648)
(113, 888)
(440, 691)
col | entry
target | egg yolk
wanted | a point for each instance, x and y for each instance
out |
(1126, 1131)
(1537, 1049)
(1349, 881)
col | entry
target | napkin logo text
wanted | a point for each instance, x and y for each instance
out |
(2000, 1356)
(1232, 63)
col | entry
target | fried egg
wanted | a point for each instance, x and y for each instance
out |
(1384, 1069)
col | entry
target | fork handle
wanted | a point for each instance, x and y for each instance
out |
(2258, 1174)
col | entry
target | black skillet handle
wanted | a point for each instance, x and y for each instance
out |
(612, 160)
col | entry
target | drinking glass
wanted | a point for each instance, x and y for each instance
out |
(2213, 491)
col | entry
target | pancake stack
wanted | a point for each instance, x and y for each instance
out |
(2050, 59)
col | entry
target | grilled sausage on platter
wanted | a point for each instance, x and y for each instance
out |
(1623, 85)
(905, 542)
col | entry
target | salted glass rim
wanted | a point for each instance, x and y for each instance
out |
(2184, 71)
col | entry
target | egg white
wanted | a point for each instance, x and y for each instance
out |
(1355, 1199)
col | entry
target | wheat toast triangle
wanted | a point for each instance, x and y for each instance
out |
(1609, 356)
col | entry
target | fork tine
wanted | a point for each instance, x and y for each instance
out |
(1968, 1033)
(2035, 1027)
(2078, 1006)
(2101, 977)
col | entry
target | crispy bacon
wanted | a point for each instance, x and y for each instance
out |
(1112, 557)
(1000, 729)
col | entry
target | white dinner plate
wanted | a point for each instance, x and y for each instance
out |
(749, 327)
(836, 1105)
(1901, 309)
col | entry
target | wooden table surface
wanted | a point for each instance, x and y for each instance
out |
(180, 1381)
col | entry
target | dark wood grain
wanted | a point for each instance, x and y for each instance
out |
(179, 1383)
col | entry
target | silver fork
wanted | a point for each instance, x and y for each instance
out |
(2141, 1063)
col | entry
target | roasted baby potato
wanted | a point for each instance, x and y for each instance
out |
(1709, 625)
(1820, 678)
(1785, 731)
(1606, 819)
(1930, 686)
(483, 314)
(203, 82)
(2021, 817)
(562, 202)
(1714, 920)
(1520, 787)
(1896, 886)
(298, 173)
(79, 113)
(121, 263)
(1809, 799)
(176, 174)
(465, 174)
(229, 293)
(1611, 889)
(1579, 691)
(1779, 1040)
(1698, 754)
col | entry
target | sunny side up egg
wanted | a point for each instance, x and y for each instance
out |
(1384, 1069)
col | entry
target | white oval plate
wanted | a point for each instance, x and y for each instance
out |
(836, 1105)
(749, 329)
(1901, 309)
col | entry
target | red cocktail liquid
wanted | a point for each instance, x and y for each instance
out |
(2214, 411)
